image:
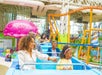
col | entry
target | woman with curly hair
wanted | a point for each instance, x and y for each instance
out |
(27, 55)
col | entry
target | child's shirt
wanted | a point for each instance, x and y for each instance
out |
(64, 61)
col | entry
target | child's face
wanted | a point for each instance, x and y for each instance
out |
(68, 55)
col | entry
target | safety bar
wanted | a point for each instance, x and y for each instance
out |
(55, 64)
(52, 52)
(77, 44)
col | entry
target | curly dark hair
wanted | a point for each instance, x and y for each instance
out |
(43, 36)
(63, 50)
(23, 43)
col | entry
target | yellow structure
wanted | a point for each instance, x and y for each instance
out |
(56, 33)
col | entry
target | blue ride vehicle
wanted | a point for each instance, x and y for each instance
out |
(49, 68)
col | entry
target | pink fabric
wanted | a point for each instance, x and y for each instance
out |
(19, 28)
(66, 50)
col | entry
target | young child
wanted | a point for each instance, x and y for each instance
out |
(65, 56)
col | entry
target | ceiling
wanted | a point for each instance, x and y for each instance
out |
(42, 7)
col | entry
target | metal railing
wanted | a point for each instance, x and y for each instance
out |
(81, 64)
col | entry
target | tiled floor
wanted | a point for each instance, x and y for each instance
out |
(4, 66)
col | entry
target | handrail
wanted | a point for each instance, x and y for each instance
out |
(75, 44)
(54, 64)
(78, 44)
(52, 52)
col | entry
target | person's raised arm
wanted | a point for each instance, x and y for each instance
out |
(45, 56)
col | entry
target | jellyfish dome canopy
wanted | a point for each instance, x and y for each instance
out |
(19, 28)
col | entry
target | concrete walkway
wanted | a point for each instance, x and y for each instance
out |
(3, 69)
(4, 66)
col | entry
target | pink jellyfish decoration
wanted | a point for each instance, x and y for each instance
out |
(19, 28)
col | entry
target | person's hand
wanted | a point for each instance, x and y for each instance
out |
(67, 68)
(64, 68)
(53, 59)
